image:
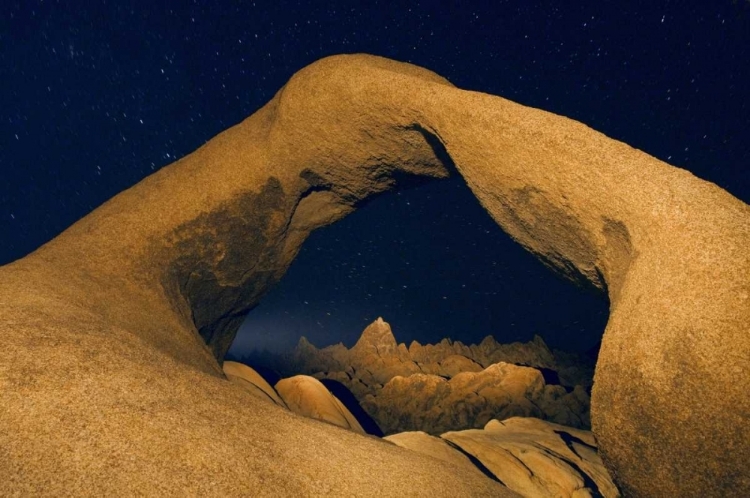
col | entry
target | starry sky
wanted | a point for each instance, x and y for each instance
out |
(96, 95)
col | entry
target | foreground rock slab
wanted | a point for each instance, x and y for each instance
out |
(110, 381)
(539, 459)
(433, 446)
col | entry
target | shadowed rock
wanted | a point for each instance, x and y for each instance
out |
(306, 396)
(539, 459)
(109, 379)
(434, 447)
(252, 381)
(343, 394)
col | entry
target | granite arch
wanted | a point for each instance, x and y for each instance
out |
(172, 264)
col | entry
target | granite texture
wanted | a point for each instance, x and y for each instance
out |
(109, 379)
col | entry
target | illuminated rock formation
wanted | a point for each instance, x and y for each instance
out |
(377, 358)
(538, 459)
(306, 396)
(433, 446)
(435, 405)
(533, 458)
(408, 389)
(109, 380)
(252, 381)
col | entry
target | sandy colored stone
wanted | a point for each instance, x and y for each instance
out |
(432, 446)
(539, 459)
(377, 340)
(374, 360)
(455, 364)
(470, 399)
(377, 358)
(252, 381)
(109, 379)
(306, 396)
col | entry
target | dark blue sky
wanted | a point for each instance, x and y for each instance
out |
(95, 95)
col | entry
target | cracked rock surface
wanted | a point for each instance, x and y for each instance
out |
(538, 459)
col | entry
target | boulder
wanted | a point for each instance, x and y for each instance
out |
(434, 404)
(455, 364)
(249, 379)
(539, 459)
(434, 447)
(306, 396)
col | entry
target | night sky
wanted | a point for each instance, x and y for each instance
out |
(95, 96)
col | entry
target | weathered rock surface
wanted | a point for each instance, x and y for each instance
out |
(451, 366)
(252, 381)
(416, 389)
(433, 404)
(536, 459)
(109, 380)
(306, 396)
(377, 358)
(539, 459)
(434, 447)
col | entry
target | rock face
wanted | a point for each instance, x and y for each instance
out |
(434, 447)
(443, 387)
(377, 358)
(109, 379)
(470, 399)
(252, 381)
(533, 458)
(538, 459)
(306, 396)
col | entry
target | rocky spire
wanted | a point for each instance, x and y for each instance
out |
(304, 345)
(376, 339)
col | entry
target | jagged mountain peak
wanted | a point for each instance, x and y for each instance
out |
(377, 337)
(303, 344)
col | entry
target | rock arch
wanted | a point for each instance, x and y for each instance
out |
(138, 300)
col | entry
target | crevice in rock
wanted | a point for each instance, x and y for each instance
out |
(475, 461)
(350, 402)
(438, 148)
(569, 439)
(588, 482)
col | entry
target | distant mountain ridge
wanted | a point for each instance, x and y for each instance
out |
(449, 385)
(378, 341)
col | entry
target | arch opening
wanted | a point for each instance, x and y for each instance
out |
(445, 207)
(430, 260)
